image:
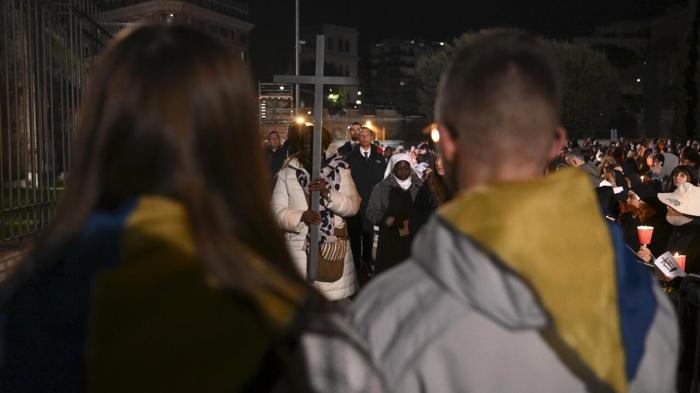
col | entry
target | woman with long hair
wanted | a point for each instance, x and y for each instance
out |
(163, 269)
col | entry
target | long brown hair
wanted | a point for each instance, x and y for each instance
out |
(171, 111)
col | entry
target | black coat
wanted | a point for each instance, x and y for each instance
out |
(685, 240)
(366, 173)
(389, 200)
(275, 159)
(345, 149)
(660, 238)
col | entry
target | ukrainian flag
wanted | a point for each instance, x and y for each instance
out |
(551, 233)
(130, 307)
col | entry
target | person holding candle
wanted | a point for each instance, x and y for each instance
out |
(643, 208)
(683, 214)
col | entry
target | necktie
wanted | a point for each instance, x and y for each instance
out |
(366, 154)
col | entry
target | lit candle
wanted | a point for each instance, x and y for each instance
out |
(644, 233)
(680, 259)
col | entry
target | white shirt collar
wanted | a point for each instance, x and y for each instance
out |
(363, 151)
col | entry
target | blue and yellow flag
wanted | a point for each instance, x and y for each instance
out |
(551, 233)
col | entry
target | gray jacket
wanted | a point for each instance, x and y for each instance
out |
(379, 201)
(451, 320)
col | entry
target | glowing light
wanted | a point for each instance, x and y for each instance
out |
(359, 93)
(358, 102)
(300, 120)
(435, 135)
(638, 80)
(281, 87)
(442, 44)
(368, 124)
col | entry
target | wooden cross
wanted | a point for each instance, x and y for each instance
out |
(318, 80)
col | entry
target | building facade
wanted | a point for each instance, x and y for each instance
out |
(225, 19)
(341, 59)
(391, 73)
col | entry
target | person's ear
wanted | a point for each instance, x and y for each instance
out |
(447, 143)
(558, 143)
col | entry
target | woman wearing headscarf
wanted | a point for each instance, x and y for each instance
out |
(339, 199)
(391, 207)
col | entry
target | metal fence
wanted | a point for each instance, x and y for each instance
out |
(46, 51)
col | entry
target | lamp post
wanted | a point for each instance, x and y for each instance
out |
(297, 49)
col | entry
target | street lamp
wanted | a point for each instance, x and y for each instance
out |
(435, 135)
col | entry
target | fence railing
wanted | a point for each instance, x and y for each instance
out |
(47, 49)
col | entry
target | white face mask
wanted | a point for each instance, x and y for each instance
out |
(677, 221)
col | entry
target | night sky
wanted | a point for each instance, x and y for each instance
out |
(438, 20)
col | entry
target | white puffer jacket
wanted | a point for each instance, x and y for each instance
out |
(289, 203)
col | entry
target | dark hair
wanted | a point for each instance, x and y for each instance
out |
(689, 171)
(692, 156)
(660, 158)
(273, 132)
(171, 111)
(308, 130)
(498, 76)
(355, 124)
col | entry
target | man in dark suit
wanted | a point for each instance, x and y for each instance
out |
(367, 167)
(354, 138)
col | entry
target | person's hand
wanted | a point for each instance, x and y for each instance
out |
(320, 186)
(390, 221)
(310, 217)
(644, 254)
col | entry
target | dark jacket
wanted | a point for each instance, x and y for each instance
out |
(366, 173)
(389, 200)
(434, 192)
(346, 148)
(685, 240)
(660, 238)
(275, 159)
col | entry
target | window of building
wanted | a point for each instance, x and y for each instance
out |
(330, 44)
(347, 46)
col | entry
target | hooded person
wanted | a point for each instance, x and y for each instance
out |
(392, 208)
(683, 214)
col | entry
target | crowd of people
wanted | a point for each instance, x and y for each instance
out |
(648, 182)
(171, 266)
(397, 189)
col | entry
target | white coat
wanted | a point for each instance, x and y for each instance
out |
(289, 203)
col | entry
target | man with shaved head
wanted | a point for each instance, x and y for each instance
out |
(518, 284)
